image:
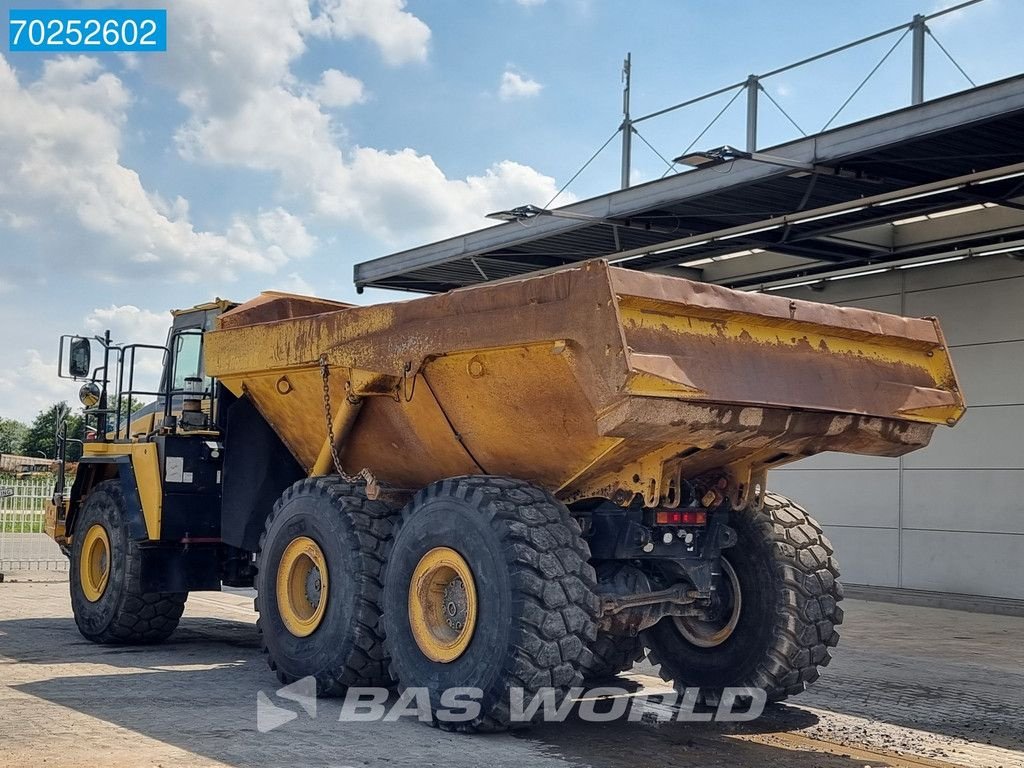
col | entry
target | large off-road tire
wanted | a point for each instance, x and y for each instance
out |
(778, 634)
(509, 561)
(613, 654)
(318, 582)
(106, 594)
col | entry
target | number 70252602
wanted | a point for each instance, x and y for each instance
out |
(82, 29)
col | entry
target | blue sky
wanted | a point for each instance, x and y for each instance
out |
(278, 142)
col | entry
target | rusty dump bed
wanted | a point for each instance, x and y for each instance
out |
(592, 381)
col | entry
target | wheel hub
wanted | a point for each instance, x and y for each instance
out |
(722, 618)
(455, 606)
(442, 605)
(313, 586)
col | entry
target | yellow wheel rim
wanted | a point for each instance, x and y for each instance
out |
(94, 567)
(442, 605)
(302, 585)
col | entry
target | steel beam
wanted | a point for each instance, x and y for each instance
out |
(978, 104)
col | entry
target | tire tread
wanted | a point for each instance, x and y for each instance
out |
(142, 617)
(546, 555)
(371, 524)
(808, 593)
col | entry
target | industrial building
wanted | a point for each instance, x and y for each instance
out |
(917, 212)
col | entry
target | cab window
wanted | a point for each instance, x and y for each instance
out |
(187, 349)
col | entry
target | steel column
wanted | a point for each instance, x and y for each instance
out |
(918, 29)
(627, 124)
(752, 88)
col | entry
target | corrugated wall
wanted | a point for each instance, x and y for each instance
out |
(948, 518)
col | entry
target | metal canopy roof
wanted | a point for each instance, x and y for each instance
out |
(938, 179)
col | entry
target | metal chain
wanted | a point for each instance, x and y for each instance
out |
(365, 474)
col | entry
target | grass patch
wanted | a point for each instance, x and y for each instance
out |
(22, 526)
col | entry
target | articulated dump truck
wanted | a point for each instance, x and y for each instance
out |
(522, 485)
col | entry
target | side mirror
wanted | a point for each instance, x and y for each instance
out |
(79, 357)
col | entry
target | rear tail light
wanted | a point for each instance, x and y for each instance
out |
(681, 517)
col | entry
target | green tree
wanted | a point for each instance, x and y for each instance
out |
(42, 434)
(12, 435)
(130, 405)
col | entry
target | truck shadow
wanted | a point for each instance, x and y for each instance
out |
(694, 744)
(202, 640)
(198, 691)
(212, 713)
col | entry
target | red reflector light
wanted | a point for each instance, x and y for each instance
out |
(681, 517)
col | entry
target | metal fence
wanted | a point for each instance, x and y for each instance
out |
(24, 544)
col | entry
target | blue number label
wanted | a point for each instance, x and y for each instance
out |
(104, 29)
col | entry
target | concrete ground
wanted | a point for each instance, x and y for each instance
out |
(909, 687)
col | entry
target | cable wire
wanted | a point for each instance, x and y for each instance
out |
(784, 112)
(950, 57)
(865, 80)
(707, 128)
(583, 168)
(649, 146)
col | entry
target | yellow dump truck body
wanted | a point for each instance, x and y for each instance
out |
(592, 381)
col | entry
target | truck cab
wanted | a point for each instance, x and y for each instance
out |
(140, 516)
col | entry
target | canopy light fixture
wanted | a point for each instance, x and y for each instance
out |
(524, 212)
(919, 195)
(750, 232)
(682, 247)
(727, 153)
(933, 261)
(721, 257)
(520, 213)
(831, 215)
(994, 251)
(817, 283)
(795, 285)
(944, 214)
(628, 258)
(1004, 177)
(848, 275)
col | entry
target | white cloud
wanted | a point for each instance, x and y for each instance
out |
(530, 3)
(211, 60)
(60, 139)
(336, 89)
(128, 323)
(295, 283)
(396, 191)
(398, 34)
(286, 232)
(33, 385)
(398, 196)
(516, 86)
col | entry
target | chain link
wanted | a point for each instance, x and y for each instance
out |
(364, 474)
